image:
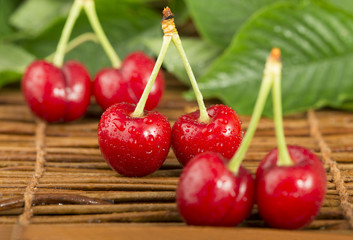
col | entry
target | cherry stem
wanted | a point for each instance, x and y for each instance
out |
(266, 84)
(169, 29)
(142, 102)
(85, 37)
(65, 35)
(203, 111)
(284, 158)
(91, 12)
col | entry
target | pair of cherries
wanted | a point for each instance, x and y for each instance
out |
(290, 182)
(63, 94)
(135, 143)
(287, 197)
(138, 146)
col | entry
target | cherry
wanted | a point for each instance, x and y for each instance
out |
(55, 94)
(124, 81)
(212, 191)
(126, 84)
(210, 194)
(290, 180)
(215, 191)
(133, 146)
(222, 133)
(109, 87)
(215, 129)
(136, 69)
(135, 142)
(58, 92)
(290, 197)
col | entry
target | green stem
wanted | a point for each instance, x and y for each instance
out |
(91, 12)
(65, 35)
(76, 42)
(265, 88)
(142, 102)
(203, 111)
(283, 155)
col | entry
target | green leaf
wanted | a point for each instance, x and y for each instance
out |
(346, 5)
(13, 62)
(317, 48)
(200, 55)
(125, 22)
(34, 16)
(217, 21)
(6, 8)
(180, 11)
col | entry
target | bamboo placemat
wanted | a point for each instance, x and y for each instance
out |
(53, 177)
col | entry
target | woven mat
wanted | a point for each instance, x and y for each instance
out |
(54, 173)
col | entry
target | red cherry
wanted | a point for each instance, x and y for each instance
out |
(109, 87)
(209, 194)
(55, 94)
(127, 84)
(290, 197)
(221, 134)
(136, 69)
(134, 147)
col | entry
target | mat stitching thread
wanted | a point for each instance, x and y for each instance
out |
(24, 218)
(333, 167)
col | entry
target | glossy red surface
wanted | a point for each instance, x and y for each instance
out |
(209, 194)
(290, 197)
(128, 83)
(54, 94)
(134, 147)
(109, 87)
(223, 134)
(136, 69)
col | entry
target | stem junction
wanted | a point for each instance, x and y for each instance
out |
(169, 29)
(271, 77)
(90, 9)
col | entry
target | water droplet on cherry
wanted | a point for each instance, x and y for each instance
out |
(132, 130)
(148, 121)
(119, 125)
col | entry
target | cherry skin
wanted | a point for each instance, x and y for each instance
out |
(136, 69)
(109, 87)
(209, 194)
(290, 197)
(222, 134)
(55, 94)
(134, 147)
(112, 85)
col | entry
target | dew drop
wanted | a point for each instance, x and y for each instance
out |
(150, 139)
(148, 121)
(219, 144)
(223, 121)
(132, 129)
(119, 125)
(210, 128)
(132, 141)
